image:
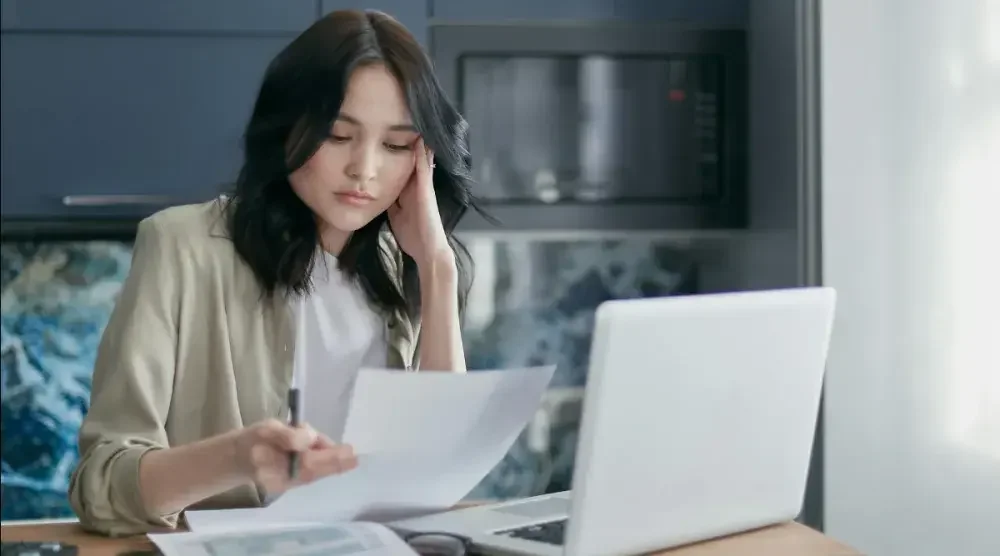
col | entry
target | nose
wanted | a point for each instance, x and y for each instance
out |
(363, 165)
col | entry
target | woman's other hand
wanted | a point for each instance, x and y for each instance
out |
(263, 450)
(414, 218)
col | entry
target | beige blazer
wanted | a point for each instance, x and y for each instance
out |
(192, 350)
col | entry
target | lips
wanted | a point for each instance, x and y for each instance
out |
(355, 198)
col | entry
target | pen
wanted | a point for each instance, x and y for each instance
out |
(294, 419)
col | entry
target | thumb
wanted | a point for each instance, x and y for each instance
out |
(322, 441)
(291, 439)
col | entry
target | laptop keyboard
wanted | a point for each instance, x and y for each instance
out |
(551, 532)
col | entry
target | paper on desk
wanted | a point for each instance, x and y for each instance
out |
(424, 441)
(366, 539)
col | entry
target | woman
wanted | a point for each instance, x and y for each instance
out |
(334, 245)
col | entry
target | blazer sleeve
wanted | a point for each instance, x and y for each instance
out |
(131, 391)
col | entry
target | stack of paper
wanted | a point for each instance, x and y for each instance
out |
(424, 441)
(366, 539)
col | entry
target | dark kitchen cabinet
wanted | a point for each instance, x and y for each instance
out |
(118, 108)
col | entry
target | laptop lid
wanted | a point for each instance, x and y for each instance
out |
(699, 417)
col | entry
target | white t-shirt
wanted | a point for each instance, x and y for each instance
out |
(337, 333)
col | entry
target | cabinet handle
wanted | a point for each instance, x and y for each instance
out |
(114, 200)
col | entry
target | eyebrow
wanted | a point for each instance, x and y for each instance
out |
(396, 127)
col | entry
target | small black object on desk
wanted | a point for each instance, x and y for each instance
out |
(21, 548)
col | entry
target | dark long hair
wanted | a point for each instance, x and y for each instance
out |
(301, 94)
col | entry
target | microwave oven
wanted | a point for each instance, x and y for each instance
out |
(582, 126)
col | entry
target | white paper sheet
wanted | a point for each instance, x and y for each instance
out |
(424, 441)
(348, 539)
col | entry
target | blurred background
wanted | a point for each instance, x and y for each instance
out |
(629, 148)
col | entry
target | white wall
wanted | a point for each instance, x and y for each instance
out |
(911, 233)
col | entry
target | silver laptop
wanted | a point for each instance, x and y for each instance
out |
(698, 422)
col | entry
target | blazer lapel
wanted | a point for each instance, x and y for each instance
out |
(400, 342)
(263, 343)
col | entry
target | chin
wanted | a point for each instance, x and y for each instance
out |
(348, 221)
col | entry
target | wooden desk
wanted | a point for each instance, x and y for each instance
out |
(790, 539)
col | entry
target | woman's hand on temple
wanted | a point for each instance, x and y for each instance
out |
(263, 449)
(414, 218)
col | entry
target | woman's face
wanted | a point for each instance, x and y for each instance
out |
(362, 168)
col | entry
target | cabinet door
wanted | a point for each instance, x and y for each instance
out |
(490, 10)
(411, 13)
(120, 112)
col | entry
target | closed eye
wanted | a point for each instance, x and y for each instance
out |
(339, 139)
(397, 148)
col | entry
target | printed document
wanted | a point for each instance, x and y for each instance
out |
(347, 539)
(424, 441)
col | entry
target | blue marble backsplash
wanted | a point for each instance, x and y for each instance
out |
(55, 299)
(533, 303)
